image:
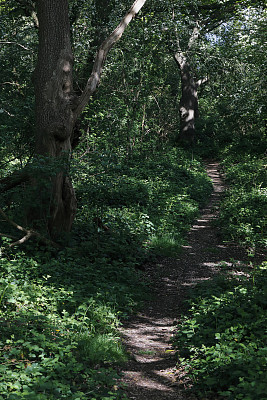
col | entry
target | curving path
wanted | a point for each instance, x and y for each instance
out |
(150, 373)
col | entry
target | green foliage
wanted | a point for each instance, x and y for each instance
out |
(17, 58)
(148, 203)
(244, 208)
(59, 318)
(221, 340)
(233, 103)
(60, 311)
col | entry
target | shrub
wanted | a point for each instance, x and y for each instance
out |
(244, 207)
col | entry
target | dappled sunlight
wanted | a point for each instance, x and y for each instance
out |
(194, 281)
(147, 382)
(194, 227)
(113, 211)
(148, 336)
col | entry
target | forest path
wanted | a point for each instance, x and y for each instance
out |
(150, 374)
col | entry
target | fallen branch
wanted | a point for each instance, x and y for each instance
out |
(22, 240)
(28, 234)
(8, 236)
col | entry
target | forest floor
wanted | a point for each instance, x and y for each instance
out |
(150, 373)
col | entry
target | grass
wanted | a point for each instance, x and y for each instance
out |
(166, 245)
(101, 348)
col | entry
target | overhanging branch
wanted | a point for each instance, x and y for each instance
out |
(95, 76)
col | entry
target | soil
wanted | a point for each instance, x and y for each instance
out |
(150, 373)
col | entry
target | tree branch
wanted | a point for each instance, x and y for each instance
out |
(17, 44)
(16, 179)
(22, 240)
(194, 36)
(12, 222)
(94, 79)
(179, 56)
(201, 81)
(28, 233)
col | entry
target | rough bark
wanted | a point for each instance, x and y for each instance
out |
(54, 115)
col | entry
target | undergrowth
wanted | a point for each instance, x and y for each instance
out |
(60, 310)
(59, 324)
(244, 208)
(153, 201)
(221, 339)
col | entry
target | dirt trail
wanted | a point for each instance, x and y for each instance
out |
(150, 372)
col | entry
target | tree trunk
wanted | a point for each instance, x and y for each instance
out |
(54, 115)
(188, 106)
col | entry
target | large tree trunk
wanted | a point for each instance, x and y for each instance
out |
(57, 109)
(54, 115)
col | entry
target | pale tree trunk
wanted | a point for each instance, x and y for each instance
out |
(57, 109)
(188, 105)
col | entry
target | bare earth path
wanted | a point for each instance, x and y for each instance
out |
(150, 372)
